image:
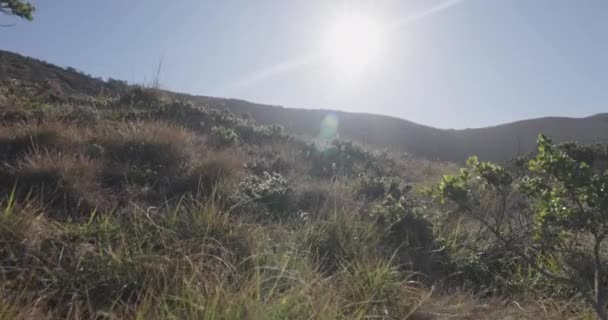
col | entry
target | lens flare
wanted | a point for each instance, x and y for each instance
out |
(327, 131)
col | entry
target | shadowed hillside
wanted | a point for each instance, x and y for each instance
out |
(497, 143)
(124, 202)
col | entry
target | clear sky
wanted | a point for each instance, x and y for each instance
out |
(449, 64)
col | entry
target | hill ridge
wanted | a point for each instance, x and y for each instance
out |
(495, 143)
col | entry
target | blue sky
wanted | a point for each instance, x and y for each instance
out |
(471, 63)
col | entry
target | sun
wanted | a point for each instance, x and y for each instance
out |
(354, 42)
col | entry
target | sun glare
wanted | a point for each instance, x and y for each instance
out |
(354, 42)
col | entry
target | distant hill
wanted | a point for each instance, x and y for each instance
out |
(497, 143)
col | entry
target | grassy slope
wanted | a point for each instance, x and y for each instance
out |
(140, 206)
(499, 143)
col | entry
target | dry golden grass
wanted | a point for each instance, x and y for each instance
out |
(66, 182)
(423, 173)
(76, 168)
(465, 306)
(152, 232)
(215, 171)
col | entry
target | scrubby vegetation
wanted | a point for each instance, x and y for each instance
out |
(140, 206)
(548, 226)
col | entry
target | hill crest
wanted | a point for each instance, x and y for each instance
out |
(494, 143)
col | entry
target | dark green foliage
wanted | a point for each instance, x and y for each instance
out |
(254, 134)
(571, 202)
(596, 156)
(562, 240)
(17, 8)
(116, 85)
(95, 151)
(269, 193)
(485, 193)
(337, 158)
(405, 234)
(224, 136)
(571, 196)
(224, 127)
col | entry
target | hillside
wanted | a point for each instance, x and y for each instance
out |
(123, 202)
(499, 143)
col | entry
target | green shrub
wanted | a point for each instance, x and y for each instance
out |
(563, 238)
(406, 234)
(337, 158)
(269, 193)
(223, 136)
(116, 85)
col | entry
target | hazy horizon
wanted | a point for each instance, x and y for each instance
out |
(446, 64)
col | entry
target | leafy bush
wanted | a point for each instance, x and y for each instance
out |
(337, 158)
(405, 233)
(18, 8)
(569, 225)
(224, 136)
(270, 193)
(116, 85)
